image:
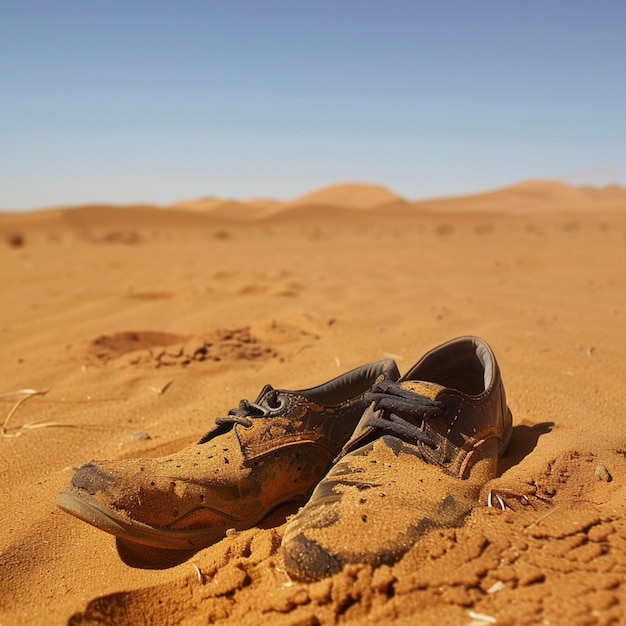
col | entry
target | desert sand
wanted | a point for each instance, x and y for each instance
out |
(104, 309)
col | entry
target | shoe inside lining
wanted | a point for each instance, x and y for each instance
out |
(466, 365)
(351, 384)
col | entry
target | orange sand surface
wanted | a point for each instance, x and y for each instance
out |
(104, 308)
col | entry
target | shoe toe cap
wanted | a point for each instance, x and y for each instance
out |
(92, 478)
(306, 560)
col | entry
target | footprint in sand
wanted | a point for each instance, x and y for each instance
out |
(258, 283)
(159, 349)
(284, 289)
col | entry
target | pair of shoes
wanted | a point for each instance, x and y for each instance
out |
(386, 458)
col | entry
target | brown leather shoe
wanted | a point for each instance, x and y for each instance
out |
(261, 455)
(418, 459)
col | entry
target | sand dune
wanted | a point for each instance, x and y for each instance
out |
(348, 196)
(143, 324)
(228, 209)
(345, 196)
(533, 197)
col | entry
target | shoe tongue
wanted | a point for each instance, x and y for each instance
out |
(422, 388)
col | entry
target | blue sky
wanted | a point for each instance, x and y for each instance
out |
(166, 100)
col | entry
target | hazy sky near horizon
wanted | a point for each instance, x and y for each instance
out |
(167, 100)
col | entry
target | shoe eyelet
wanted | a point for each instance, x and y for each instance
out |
(278, 405)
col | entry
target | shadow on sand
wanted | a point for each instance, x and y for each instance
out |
(523, 442)
(147, 557)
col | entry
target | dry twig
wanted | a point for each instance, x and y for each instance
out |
(161, 390)
(25, 395)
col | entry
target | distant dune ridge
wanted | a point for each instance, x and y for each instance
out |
(346, 196)
(533, 196)
(525, 197)
(529, 196)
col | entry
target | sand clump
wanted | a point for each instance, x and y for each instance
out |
(161, 332)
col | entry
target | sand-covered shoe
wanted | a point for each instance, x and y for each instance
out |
(261, 455)
(418, 459)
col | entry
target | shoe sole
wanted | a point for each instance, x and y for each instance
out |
(137, 532)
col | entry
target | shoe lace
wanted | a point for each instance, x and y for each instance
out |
(267, 402)
(400, 412)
